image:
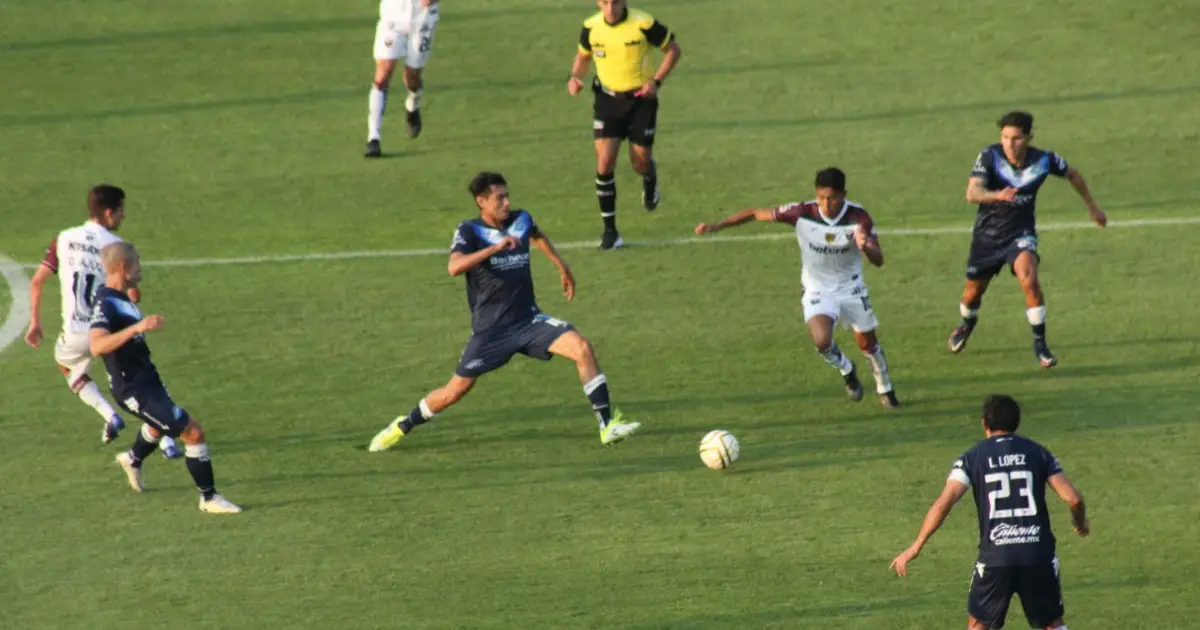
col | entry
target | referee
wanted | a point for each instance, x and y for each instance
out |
(626, 98)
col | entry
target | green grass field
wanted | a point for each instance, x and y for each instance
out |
(237, 128)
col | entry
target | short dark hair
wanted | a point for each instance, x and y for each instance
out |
(1020, 120)
(831, 177)
(104, 197)
(1001, 413)
(483, 182)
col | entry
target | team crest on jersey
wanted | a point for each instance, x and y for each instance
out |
(830, 237)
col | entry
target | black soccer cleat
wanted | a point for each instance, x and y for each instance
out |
(611, 240)
(1044, 356)
(413, 119)
(888, 399)
(854, 388)
(373, 149)
(650, 194)
(958, 338)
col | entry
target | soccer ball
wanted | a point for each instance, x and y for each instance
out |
(719, 449)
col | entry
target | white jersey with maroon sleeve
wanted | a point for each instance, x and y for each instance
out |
(829, 256)
(75, 256)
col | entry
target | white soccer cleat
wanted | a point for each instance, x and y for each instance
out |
(218, 505)
(132, 473)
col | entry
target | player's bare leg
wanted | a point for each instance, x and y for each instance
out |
(577, 348)
(642, 159)
(968, 307)
(412, 104)
(869, 344)
(432, 404)
(820, 328)
(377, 105)
(606, 189)
(1026, 268)
(975, 624)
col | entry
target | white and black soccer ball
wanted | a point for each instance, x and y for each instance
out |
(719, 449)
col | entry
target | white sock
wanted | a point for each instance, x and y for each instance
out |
(377, 104)
(966, 311)
(1036, 315)
(165, 443)
(879, 367)
(426, 412)
(833, 356)
(413, 102)
(91, 396)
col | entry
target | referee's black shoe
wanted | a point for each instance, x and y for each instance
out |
(611, 240)
(373, 149)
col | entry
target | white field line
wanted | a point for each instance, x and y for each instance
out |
(18, 310)
(18, 314)
(669, 242)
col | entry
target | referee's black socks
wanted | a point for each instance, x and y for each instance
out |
(606, 194)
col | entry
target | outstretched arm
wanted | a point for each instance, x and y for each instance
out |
(737, 218)
(937, 514)
(542, 242)
(1081, 187)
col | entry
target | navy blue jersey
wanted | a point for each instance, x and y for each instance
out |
(500, 289)
(1007, 474)
(129, 367)
(1002, 222)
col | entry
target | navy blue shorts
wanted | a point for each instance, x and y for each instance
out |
(491, 349)
(987, 259)
(155, 407)
(1038, 586)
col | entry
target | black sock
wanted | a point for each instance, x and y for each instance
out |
(606, 194)
(1039, 332)
(141, 449)
(597, 393)
(415, 417)
(202, 473)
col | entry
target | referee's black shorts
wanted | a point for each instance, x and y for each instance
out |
(623, 115)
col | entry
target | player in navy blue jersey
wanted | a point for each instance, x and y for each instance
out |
(1007, 475)
(118, 334)
(1005, 183)
(492, 251)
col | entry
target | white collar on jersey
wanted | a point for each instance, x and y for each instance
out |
(834, 220)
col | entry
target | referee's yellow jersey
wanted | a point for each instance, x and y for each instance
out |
(621, 51)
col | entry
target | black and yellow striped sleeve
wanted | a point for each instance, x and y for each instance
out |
(658, 34)
(585, 44)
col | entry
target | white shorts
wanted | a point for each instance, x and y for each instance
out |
(412, 42)
(851, 306)
(73, 351)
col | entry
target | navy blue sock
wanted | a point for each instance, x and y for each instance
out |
(597, 393)
(141, 449)
(200, 468)
(418, 416)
